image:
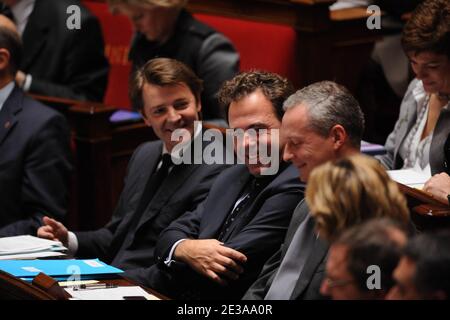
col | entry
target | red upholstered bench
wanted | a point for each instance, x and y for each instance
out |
(266, 46)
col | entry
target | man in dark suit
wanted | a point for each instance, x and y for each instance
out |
(217, 250)
(152, 198)
(59, 61)
(34, 149)
(322, 122)
(167, 29)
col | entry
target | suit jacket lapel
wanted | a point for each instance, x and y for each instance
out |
(440, 135)
(135, 197)
(34, 35)
(171, 184)
(8, 114)
(300, 213)
(316, 256)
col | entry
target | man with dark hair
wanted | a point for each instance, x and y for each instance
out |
(218, 250)
(156, 191)
(34, 149)
(322, 122)
(423, 271)
(59, 61)
(360, 262)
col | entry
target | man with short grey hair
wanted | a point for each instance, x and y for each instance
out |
(322, 122)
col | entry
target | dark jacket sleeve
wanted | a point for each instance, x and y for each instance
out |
(259, 288)
(96, 243)
(46, 177)
(217, 62)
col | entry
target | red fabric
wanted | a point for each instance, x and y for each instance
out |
(117, 33)
(266, 46)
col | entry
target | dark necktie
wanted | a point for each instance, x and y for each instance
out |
(156, 179)
(152, 186)
(251, 190)
(6, 11)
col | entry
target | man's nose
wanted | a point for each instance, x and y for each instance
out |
(173, 115)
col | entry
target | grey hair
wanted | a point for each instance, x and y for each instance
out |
(328, 104)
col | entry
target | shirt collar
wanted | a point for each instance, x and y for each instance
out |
(5, 92)
(419, 94)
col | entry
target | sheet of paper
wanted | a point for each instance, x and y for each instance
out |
(33, 255)
(409, 177)
(27, 244)
(110, 294)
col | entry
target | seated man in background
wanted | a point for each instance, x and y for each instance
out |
(59, 61)
(322, 122)
(423, 272)
(166, 29)
(361, 261)
(34, 149)
(216, 251)
(156, 190)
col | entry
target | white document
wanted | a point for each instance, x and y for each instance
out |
(32, 255)
(29, 247)
(409, 177)
(110, 293)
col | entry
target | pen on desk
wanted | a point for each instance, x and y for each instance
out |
(95, 286)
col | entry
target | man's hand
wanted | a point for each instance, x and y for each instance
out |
(211, 258)
(53, 230)
(439, 186)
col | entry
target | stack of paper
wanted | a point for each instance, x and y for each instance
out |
(29, 247)
(120, 293)
(409, 177)
(60, 270)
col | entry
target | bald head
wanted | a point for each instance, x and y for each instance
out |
(10, 47)
(5, 22)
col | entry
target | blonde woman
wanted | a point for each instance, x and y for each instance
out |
(348, 191)
(339, 195)
(165, 29)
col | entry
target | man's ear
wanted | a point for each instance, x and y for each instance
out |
(199, 103)
(4, 59)
(338, 135)
(144, 117)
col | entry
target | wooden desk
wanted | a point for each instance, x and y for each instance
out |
(427, 212)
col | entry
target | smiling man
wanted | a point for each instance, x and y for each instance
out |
(156, 190)
(217, 250)
(322, 122)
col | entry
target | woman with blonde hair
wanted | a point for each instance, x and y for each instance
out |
(165, 29)
(351, 190)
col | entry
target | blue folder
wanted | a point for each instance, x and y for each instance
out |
(60, 269)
